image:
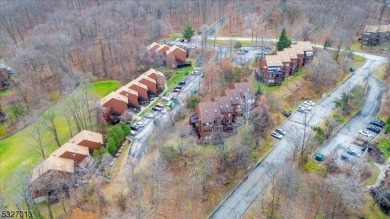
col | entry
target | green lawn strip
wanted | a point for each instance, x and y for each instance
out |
(371, 181)
(16, 152)
(384, 146)
(380, 71)
(103, 88)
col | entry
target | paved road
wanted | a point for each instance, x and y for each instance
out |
(140, 141)
(343, 139)
(236, 204)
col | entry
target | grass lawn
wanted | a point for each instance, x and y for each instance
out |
(380, 71)
(384, 146)
(16, 153)
(371, 181)
(367, 49)
(103, 88)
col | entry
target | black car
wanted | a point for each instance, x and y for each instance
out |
(134, 128)
(178, 87)
(286, 113)
(374, 129)
(376, 123)
(380, 122)
(182, 83)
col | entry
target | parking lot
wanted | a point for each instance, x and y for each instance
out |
(343, 140)
(141, 137)
(245, 58)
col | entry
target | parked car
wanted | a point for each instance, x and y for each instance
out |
(374, 129)
(344, 157)
(302, 110)
(351, 152)
(178, 87)
(134, 128)
(140, 124)
(377, 124)
(309, 103)
(286, 113)
(149, 115)
(276, 135)
(365, 133)
(280, 131)
(165, 99)
(176, 90)
(157, 109)
(380, 122)
(159, 105)
(319, 157)
(182, 83)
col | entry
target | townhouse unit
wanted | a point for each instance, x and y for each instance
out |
(53, 169)
(114, 105)
(92, 140)
(133, 94)
(375, 35)
(171, 57)
(275, 68)
(221, 112)
(60, 165)
(71, 151)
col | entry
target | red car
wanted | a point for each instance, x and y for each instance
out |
(176, 90)
(159, 105)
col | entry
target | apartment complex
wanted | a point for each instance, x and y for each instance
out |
(171, 57)
(275, 68)
(133, 94)
(375, 35)
(220, 113)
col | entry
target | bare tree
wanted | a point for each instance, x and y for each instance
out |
(48, 122)
(37, 134)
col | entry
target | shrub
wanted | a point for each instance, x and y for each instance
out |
(111, 147)
(168, 152)
(125, 129)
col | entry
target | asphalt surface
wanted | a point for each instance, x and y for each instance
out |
(343, 139)
(242, 197)
(141, 139)
(253, 52)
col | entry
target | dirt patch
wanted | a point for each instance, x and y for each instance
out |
(77, 213)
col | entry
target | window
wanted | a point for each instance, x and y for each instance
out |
(207, 131)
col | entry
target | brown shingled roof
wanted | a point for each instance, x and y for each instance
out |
(383, 28)
(154, 46)
(208, 111)
(173, 48)
(273, 60)
(371, 28)
(245, 89)
(163, 48)
(87, 135)
(52, 163)
(126, 89)
(113, 95)
(234, 96)
(224, 104)
(292, 54)
(284, 56)
(72, 148)
(305, 45)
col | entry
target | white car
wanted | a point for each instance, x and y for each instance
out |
(312, 103)
(165, 99)
(276, 135)
(149, 115)
(365, 133)
(140, 124)
(280, 131)
(308, 108)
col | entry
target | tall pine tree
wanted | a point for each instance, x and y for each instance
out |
(188, 31)
(284, 41)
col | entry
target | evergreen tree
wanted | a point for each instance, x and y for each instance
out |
(111, 148)
(188, 31)
(284, 41)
